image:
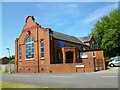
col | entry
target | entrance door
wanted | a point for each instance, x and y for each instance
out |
(69, 57)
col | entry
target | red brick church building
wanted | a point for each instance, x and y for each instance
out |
(43, 50)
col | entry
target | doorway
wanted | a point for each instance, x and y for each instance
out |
(69, 57)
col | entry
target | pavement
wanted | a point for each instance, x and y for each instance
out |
(101, 79)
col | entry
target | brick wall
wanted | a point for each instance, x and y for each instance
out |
(50, 52)
(56, 68)
(38, 34)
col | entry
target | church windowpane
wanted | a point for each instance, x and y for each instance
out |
(42, 49)
(20, 52)
(29, 47)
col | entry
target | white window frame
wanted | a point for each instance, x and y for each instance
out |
(29, 50)
(20, 53)
(93, 54)
(83, 55)
(41, 50)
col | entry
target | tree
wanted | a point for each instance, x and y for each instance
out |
(12, 57)
(107, 33)
(110, 43)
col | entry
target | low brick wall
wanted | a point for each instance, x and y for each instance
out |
(32, 68)
(56, 68)
(62, 68)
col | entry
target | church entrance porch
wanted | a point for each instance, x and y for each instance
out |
(69, 57)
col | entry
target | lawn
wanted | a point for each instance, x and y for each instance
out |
(18, 85)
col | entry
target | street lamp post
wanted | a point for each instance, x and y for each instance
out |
(9, 60)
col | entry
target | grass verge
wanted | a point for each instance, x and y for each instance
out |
(18, 85)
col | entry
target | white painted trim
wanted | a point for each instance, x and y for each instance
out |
(42, 57)
(20, 59)
(30, 59)
(81, 66)
(95, 54)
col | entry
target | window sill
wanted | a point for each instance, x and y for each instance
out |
(30, 59)
(42, 58)
(79, 62)
(94, 56)
(83, 58)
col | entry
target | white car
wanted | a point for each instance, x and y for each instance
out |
(115, 61)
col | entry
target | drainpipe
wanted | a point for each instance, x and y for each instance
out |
(17, 55)
(94, 63)
(38, 49)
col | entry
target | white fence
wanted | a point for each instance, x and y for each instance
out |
(7, 67)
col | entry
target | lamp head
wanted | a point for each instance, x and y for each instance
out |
(7, 48)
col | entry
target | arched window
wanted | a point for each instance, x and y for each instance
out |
(92, 45)
(29, 45)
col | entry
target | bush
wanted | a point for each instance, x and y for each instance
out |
(12, 62)
(107, 58)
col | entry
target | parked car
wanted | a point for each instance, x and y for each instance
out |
(114, 61)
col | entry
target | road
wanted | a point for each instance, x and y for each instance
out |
(100, 79)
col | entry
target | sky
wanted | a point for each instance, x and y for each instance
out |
(72, 18)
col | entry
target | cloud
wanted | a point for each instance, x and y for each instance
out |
(91, 17)
(66, 8)
(57, 5)
(99, 13)
(72, 5)
(57, 13)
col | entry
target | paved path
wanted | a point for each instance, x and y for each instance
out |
(101, 79)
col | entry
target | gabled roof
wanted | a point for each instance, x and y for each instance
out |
(4, 60)
(65, 37)
(86, 38)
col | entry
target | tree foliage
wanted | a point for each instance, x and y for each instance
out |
(107, 33)
(12, 57)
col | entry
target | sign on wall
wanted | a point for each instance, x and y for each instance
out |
(61, 44)
(80, 66)
(83, 55)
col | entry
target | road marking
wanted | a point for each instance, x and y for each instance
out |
(68, 82)
(58, 76)
(109, 76)
(21, 75)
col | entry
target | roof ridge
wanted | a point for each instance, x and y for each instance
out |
(67, 37)
(80, 40)
(65, 34)
(86, 38)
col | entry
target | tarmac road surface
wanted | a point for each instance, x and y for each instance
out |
(100, 79)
